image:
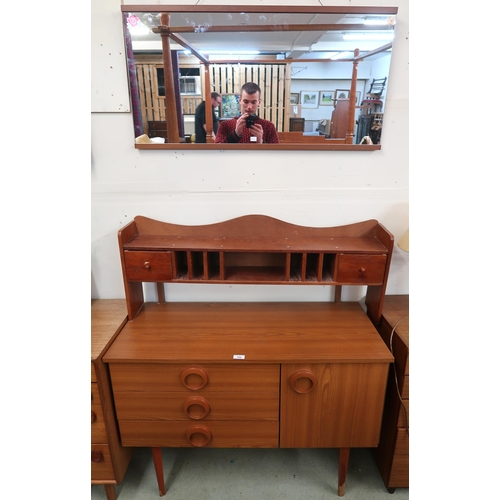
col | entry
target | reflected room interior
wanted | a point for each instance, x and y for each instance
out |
(323, 71)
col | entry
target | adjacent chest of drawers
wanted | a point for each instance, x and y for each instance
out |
(392, 454)
(109, 460)
(267, 375)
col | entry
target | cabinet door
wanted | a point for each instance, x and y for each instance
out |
(332, 405)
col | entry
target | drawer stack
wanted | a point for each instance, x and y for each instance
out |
(392, 454)
(182, 405)
(109, 459)
(100, 455)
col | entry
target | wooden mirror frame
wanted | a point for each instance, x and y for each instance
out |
(171, 110)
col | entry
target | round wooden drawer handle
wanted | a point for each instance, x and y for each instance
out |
(192, 407)
(96, 456)
(199, 435)
(194, 378)
(147, 265)
(303, 374)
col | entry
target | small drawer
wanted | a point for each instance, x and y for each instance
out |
(196, 377)
(214, 434)
(196, 407)
(101, 464)
(400, 473)
(148, 266)
(402, 443)
(361, 269)
(405, 393)
(404, 416)
(97, 425)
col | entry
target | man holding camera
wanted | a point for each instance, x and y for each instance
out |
(248, 127)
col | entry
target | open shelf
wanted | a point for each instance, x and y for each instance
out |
(254, 267)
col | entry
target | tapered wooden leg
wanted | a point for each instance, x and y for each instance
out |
(159, 469)
(110, 491)
(343, 462)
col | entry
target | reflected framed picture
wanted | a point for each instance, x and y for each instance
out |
(342, 94)
(326, 98)
(230, 106)
(309, 98)
(294, 98)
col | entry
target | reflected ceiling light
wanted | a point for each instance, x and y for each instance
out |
(235, 54)
(375, 22)
(232, 52)
(341, 55)
(139, 30)
(369, 36)
(326, 55)
(136, 27)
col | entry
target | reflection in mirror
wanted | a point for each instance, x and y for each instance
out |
(323, 72)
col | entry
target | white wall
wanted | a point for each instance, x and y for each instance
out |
(189, 187)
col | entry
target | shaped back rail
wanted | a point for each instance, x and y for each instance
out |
(255, 249)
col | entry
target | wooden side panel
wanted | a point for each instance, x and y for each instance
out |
(133, 291)
(375, 294)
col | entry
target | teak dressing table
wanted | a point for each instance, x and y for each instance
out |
(266, 375)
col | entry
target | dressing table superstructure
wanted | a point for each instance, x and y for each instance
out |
(266, 375)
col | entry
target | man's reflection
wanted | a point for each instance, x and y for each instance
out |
(248, 127)
(200, 120)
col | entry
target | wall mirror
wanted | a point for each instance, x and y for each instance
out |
(323, 72)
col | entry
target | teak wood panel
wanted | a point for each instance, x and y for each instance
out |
(262, 332)
(343, 409)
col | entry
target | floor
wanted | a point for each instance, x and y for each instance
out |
(251, 474)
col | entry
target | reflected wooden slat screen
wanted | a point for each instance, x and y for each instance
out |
(273, 79)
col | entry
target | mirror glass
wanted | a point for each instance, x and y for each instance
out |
(302, 60)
